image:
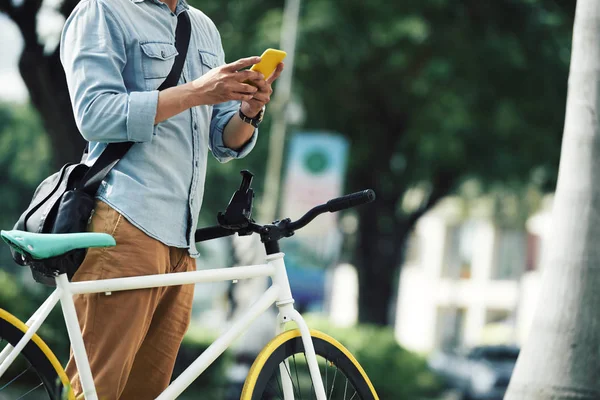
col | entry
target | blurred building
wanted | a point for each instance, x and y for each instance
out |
(468, 281)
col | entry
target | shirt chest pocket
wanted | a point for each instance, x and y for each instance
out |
(208, 60)
(157, 61)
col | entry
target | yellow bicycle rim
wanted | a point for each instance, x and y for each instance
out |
(14, 321)
(266, 352)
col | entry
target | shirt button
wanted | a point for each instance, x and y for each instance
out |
(196, 163)
(195, 126)
(162, 54)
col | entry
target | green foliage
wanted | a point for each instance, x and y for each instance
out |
(430, 93)
(395, 372)
(212, 384)
(246, 29)
(20, 296)
(454, 86)
(475, 89)
(24, 163)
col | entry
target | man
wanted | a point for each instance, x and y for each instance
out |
(115, 54)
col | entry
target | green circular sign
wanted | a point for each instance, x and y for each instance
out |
(316, 161)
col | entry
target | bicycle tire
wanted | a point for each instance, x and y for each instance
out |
(289, 344)
(41, 359)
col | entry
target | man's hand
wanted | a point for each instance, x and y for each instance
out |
(251, 107)
(219, 85)
(226, 83)
(237, 133)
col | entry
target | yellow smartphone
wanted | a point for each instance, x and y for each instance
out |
(269, 60)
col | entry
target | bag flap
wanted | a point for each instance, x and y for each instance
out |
(42, 193)
(47, 195)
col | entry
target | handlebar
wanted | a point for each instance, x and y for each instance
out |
(334, 205)
(286, 227)
(213, 232)
(351, 200)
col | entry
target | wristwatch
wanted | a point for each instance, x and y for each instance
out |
(253, 121)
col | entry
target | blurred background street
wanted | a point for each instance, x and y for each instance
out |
(452, 111)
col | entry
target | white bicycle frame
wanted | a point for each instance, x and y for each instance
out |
(279, 293)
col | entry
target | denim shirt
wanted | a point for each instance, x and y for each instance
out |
(115, 54)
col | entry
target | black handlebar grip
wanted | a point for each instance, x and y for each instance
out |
(351, 200)
(213, 232)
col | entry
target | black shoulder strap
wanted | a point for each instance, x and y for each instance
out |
(113, 152)
(182, 42)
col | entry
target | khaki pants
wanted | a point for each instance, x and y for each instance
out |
(131, 337)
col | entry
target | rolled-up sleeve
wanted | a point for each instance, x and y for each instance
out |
(222, 114)
(93, 54)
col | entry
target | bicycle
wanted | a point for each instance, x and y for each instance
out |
(274, 373)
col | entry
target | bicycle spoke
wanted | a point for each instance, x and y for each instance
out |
(333, 383)
(280, 385)
(345, 388)
(272, 387)
(335, 388)
(290, 375)
(15, 378)
(297, 380)
(30, 391)
(326, 372)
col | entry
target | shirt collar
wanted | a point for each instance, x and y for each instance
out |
(181, 4)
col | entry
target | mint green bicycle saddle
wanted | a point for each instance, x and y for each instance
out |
(46, 245)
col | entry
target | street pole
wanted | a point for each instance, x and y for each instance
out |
(279, 105)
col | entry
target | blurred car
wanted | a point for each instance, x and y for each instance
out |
(481, 373)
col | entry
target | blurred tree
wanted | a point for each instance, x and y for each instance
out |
(45, 80)
(24, 161)
(560, 358)
(429, 92)
(246, 29)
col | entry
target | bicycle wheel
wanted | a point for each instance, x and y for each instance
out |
(343, 377)
(35, 373)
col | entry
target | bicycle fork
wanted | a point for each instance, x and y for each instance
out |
(287, 313)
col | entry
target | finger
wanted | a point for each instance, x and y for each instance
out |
(262, 98)
(255, 105)
(275, 73)
(244, 88)
(242, 63)
(247, 75)
(261, 85)
(242, 97)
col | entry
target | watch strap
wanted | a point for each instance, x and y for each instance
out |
(252, 121)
